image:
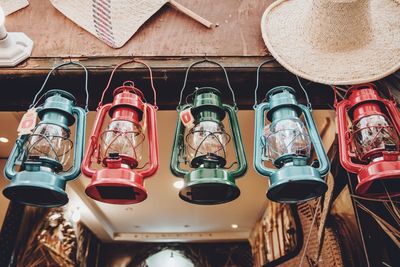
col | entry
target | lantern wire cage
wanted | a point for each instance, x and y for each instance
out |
(219, 140)
(131, 140)
(295, 142)
(369, 140)
(41, 144)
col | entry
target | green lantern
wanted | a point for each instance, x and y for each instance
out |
(199, 153)
(44, 155)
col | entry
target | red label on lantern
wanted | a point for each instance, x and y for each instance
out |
(187, 118)
(28, 122)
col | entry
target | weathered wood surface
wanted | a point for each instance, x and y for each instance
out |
(167, 33)
(19, 85)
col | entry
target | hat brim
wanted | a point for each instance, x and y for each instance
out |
(281, 26)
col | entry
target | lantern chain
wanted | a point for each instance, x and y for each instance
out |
(35, 101)
(134, 60)
(179, 107)
(258, 80)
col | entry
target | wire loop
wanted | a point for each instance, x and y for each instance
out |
(36, 101)
(258, 84)
(212, 62)
(134, 60)
(258, 80)
(305, 93)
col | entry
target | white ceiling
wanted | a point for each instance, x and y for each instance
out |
(163, 216)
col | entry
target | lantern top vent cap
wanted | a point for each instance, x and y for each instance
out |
(62, 93)
(203, 90)
(208, 99)
(278, 90)
(130, 89)
(282, 97)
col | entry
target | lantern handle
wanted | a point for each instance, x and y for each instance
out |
(153, 142)
(258, 148)
(124, 63)
(237, 139)
(35, 101)
(258, 80)
(79, 143)
(342, 126)
(176, 147)
(93, 141)
(305, 94)
(179, 107)
(9, 171)
(324, 164)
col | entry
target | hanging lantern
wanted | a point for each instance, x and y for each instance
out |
(201, 144)
(44, 152)
(369, 146)
(116, 146)
(286, 142)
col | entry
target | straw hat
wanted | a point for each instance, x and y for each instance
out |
(334, 41)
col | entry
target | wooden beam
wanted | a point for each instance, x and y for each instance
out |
(181, 237)
(21, 83)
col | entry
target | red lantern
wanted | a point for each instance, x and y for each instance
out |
(370, 146)
(117, 148)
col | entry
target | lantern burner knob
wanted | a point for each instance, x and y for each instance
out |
(390, 147)
(113, 155)
(209, 160)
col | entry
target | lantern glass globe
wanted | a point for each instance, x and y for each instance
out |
(207, 138)
(124, 138)
(372, 134)
(50, 143)
(287, 137)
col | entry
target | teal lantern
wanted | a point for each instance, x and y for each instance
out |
(199, 153)
(286, 142)
(47, 157)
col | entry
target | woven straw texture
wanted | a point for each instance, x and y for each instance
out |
(334, 41)
(112, 21)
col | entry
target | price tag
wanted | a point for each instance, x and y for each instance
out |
(28, 122)
(187, 118)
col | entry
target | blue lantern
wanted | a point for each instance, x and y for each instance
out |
(44, 155)
(286, 142)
